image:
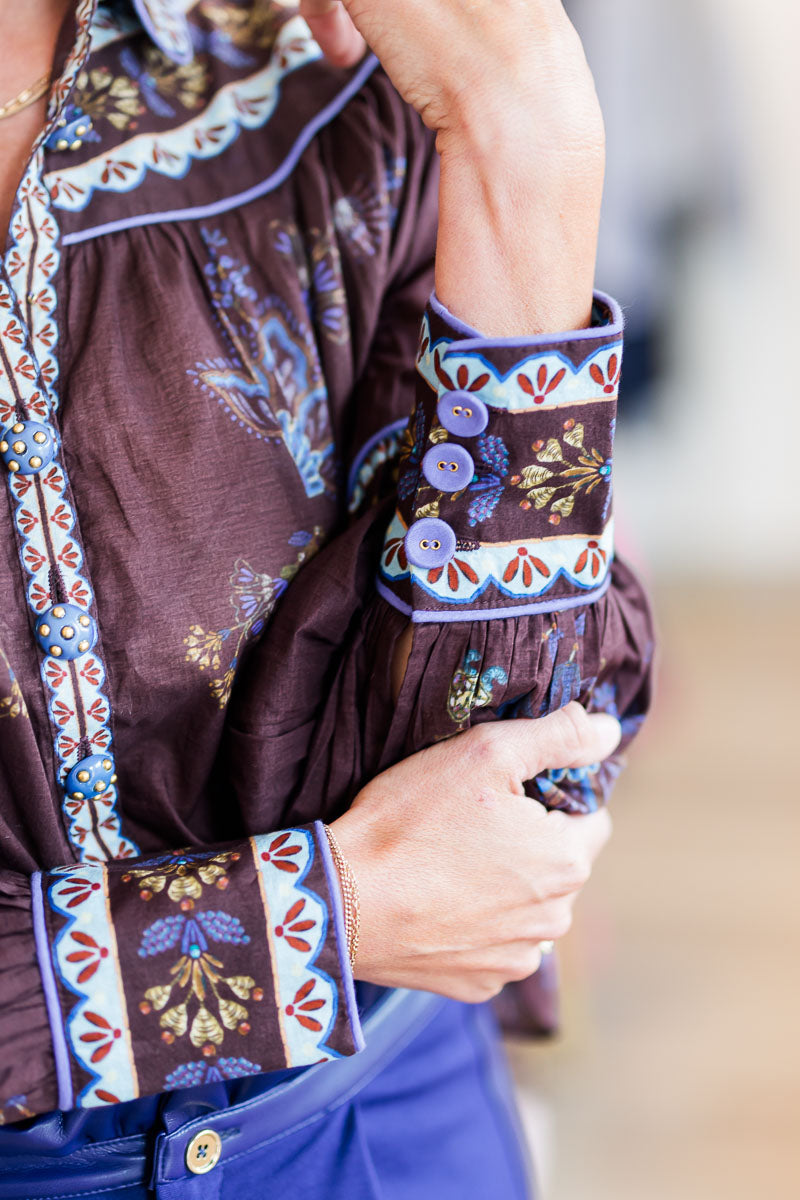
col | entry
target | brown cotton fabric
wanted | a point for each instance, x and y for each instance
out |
(231, 326)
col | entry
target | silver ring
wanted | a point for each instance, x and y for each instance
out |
(546, 947)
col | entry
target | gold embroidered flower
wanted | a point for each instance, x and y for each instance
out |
(99, 93)
(204, 648)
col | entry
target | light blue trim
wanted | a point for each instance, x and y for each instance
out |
(471, 340)
(200, 212)
(55, 1019)
(387, 431)
(450, 616)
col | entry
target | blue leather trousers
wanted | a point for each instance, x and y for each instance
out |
(425, 1112)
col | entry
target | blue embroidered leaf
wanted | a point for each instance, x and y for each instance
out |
(494, 453)
(222, 927)
(483, 504)
(163, 934)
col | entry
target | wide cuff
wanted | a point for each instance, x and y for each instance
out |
(194, 966)
(504, 493)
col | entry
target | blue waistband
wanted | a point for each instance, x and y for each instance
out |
(80, 1150)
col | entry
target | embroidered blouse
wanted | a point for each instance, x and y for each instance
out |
(219, 520)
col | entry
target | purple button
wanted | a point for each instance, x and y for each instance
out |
(430, 543)
(462, 414)
(448, 468)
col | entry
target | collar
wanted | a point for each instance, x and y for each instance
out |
(166, 23)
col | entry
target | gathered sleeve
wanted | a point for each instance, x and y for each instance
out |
(106, 969)
(479, 492)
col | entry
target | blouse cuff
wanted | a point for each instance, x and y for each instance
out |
(194, 966)
(504, 493)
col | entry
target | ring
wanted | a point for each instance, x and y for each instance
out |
(546, 947)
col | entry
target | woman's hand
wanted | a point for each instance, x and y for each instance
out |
(461, 876)
(506, 87)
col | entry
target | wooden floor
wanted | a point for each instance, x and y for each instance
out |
(678, 1073)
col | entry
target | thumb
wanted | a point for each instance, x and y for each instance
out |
(570, 737)
(334, 32)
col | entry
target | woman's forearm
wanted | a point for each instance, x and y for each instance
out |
(506, 87)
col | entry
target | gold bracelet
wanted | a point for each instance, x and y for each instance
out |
(352, 911)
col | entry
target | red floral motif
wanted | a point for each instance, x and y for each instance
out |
(291, 927)
(597, 555)
(300, 1007)
(53, 479)
(100, 739)
(79, 889)
(55, 673)
(211, 136)
(26, 368)
(609, 381)
(79, 594)
(453, 567)
(98, 711)
(104, 1033)
(279, 852)
(527, 561)
(61, 517)
(163, 156)
(116, 169)
(47, 370)
(543, 386)
(395, 547)
(40, 597)
(27, 521)
(67, 745)
(37, 403)
(34, 561)
(59, 187)
(106, 1097)
(62, 713)
(70, 555)
(90, 953)
(13, 332)
(461, 378)
(91, 672)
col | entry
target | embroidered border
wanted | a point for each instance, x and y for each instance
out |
(165, 21)
(87, 963)
(383, 446)
(43, 514)
(297, 925)
(242, 104)
(551, 380)
(522, 570)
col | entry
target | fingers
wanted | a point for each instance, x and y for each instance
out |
(334, 32)
(567, 738)
(591, 832)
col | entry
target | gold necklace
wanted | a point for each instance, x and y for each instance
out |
(29, 95)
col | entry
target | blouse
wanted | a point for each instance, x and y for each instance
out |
(219, 522)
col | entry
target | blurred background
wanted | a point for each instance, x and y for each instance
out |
(677, 1075)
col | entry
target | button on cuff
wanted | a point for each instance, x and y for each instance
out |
(430, 543)
(462, 413)
(448, 467)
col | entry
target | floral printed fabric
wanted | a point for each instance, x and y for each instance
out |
(219, 259)
(167, 968)
(533, 523)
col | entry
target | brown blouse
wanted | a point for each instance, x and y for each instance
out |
(219, 521)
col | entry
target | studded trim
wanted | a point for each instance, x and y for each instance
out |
(44, 518)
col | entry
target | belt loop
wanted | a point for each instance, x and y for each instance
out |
(158, 1154)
